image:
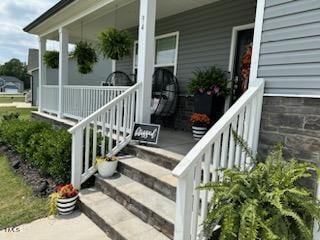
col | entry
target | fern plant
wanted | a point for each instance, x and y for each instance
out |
(266, 202)
(86, 57)
(115, 44)
(51, 59)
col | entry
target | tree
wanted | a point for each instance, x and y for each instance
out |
(17, 69)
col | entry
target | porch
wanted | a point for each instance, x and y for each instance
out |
(182, 47)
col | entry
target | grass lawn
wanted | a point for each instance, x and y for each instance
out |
(25, 113)
(12, 98)
(18, 205)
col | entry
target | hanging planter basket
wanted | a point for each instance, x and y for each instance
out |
(115, 44)
(86, 57)
(51, 59)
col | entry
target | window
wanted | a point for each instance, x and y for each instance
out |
(166, 52)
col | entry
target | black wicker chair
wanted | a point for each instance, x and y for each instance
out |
(165, 93)
(118, 78)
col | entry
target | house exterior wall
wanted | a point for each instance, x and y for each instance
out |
(204, 36)
(290, 47)
(204, 40)
(290, 64)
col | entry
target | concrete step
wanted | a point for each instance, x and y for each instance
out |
(145, 203)
(114, 219)
(149, 174)
(161, 157)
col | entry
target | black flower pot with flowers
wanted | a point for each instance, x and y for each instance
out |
(210, 88)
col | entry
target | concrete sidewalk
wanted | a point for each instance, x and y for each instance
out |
(75, 226)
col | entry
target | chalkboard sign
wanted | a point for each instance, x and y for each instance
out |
(146, 133)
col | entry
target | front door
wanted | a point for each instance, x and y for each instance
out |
(242, 63)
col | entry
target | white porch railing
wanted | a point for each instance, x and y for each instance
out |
(81, 101)
(50, 98)
(105, 132)
(217, 149)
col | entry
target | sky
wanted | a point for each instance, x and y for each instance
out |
(14, 16)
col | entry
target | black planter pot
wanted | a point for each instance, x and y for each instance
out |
(211, 105)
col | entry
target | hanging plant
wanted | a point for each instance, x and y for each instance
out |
(86, 57)
(114, 43)
(51, 59)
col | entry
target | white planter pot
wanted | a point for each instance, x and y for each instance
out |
(66, 205)
(198, 132)
(107, 169)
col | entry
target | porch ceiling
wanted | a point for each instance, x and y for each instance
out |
(122, 14)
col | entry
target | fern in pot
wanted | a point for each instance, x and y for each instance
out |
(210, 87)
(265, 202)
(51, 59)
(86, 57)
(115, 44)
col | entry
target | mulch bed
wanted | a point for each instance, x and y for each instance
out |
(40, 185)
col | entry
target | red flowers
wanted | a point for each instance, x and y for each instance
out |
(200, 118)
(66, 191)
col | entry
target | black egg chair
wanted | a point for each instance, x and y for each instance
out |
(165, 93)
(118, 78)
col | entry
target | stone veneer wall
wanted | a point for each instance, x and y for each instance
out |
(295, 122)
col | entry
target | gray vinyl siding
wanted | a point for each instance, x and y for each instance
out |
(101, 71)
(204, 36)
(290, 47)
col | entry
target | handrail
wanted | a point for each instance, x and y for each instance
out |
(112, 103)
(216, 150)
(97, 87)
(214, 132)
(105, 132)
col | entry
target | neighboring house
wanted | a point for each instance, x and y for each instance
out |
(283, 95)
(10, 84)
(99, 74)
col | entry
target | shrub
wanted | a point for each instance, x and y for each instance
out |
(265, 202)
(45, 148)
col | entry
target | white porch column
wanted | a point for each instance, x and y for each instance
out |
(42, 71)
(146, 58)
(63, 66)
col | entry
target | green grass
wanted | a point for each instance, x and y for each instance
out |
(12, 98)
(18, 204)
(25, 113)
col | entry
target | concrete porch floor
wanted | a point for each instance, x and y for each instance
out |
(179, 142)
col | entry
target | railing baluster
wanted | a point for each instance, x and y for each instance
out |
(196, 198)
(87, 148)
(94, 142)
(239, 133)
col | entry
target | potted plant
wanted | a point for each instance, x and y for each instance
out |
(51, 59)
(107, 165)
(114, 43)
(210, 87)
(86, 57)
(200, 123)
(63, 200)
(266, 201)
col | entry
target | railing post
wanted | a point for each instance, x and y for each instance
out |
(258, 115)
(77, 157)
(182, 227)
(42, 72)
(63, 66)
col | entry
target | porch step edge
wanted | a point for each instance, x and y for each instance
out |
(115, 220)
(156, 177)
(150, 206)
(157, 156)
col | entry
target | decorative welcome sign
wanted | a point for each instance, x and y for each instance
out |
(146, 133)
